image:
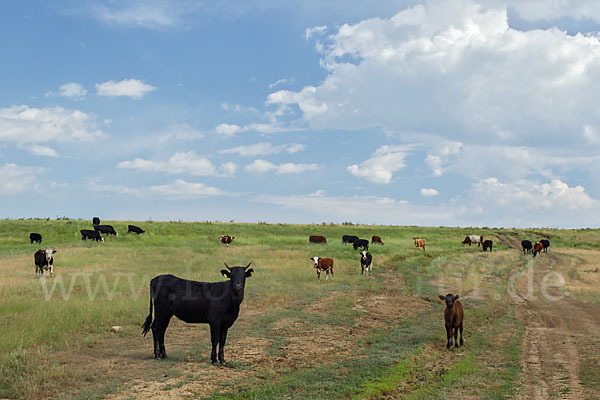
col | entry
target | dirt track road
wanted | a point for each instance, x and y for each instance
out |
(560, 343)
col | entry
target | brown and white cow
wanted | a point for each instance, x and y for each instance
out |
(317, 239)
(323, 264)
(419, 243)
(226, 239)
(537, 248)
(472, 239)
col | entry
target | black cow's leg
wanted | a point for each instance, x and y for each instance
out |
(214, 338)
(449, 338)
(461, 334)
(159, 327)
(222, 340)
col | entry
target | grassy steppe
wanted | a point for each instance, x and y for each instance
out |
(353, 337)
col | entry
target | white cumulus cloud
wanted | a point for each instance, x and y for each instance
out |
(381, 167)
(429, 192)
(262, 166)
(15, 179)
(181, 163)
(24, 126)
(127, 87)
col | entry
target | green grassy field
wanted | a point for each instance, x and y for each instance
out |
(351, 337)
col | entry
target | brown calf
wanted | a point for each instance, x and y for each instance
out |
(376, 239)
(419, 243)
(537, 248)
(226, 239)
(317, 239)
(323, 264)
(453, 318)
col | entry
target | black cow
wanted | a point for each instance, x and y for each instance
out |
(44, 261)
(546, 244)
(91, 234)
(106, 229)
(217, 304)
(365, 263)
(487, 244)
(134, 229)
(349, 239)
(527, 246)
(35, 237)
(95, 221)
(364, 243)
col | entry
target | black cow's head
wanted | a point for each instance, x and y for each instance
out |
(449, 299)
(238, 276)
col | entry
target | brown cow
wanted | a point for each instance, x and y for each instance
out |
(537, 248)
(317, 239)
(453, 319)
(226, 239)
(419, 243)
(376, 239)
(323, 264)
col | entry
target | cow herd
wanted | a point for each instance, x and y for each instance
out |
(218, 303)
(326, 264)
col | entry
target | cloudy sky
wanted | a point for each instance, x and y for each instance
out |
(435, 112)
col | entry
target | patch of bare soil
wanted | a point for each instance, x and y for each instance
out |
(509, 240)
(558, 332)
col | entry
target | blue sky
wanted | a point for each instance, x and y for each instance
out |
(440, 112)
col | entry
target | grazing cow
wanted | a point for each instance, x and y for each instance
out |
(546, 244)
(108, 229)
(419, 243)
(95, 221)
(472, 239)
(364, 243)
(376, 239)
(537, 248)
(453, 318)
(216, 304)
(349, 239)
(317, 239)
(35, 237)
(527, 246)
(91, 234)
(44, 261)
(134, 229)
(226, 239)
(366, 261)
(488, 245)
(323, 264)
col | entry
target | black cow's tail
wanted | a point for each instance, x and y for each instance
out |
(146, 325)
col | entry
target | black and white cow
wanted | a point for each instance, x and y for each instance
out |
(216, 304)
(91, 234)
(35, 237)
(134, 229)
(366, 263)
(108, 229)
(44, 261)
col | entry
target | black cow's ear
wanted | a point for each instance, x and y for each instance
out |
(456, 297)
(225, 273)
(249, 273)
(442, 297)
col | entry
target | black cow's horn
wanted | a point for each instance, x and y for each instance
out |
(227, 266)
(248, 265)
